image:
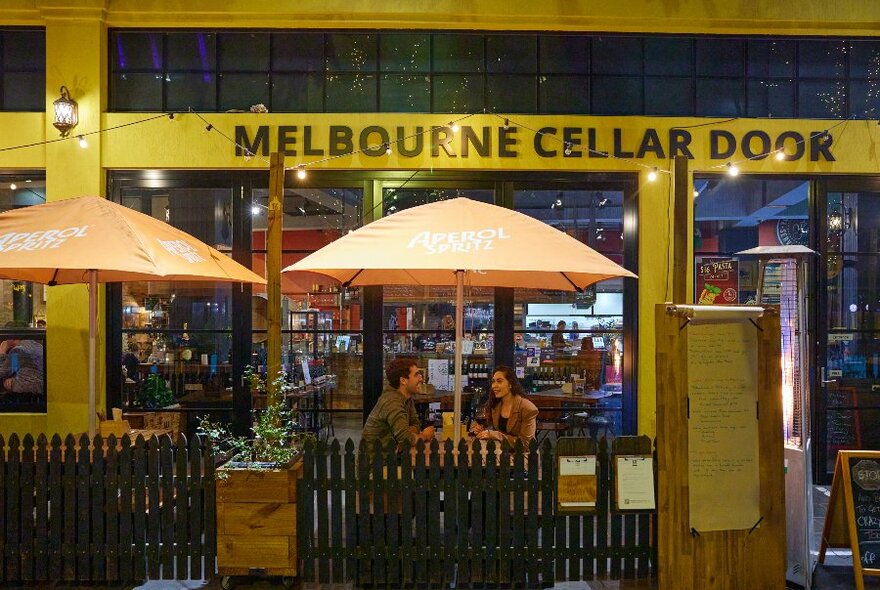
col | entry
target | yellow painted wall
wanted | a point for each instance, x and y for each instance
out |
(70, 171)
(813, 17)
(76, 57)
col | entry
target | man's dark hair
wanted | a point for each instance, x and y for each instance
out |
(397, 369)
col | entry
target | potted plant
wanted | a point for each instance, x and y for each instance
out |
(256, 493)
(155, 393)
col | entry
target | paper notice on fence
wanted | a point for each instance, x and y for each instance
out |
(577, 482)
(635, 483)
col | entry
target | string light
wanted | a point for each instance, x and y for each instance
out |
(255, 210)
(780, 155)
(12, 186)
(652, 174)
(82, 142)
(696, 193)
(506, 124)
(567, 149)
(454, 126)
(387, 147)
(732, 169)
(301, 172)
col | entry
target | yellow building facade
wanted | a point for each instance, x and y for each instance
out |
(76, 57)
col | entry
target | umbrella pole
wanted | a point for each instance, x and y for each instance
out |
(459, 329)
(93, 329)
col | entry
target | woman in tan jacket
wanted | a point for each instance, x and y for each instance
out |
(511, 415)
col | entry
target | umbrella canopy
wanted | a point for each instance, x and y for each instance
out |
(497, 247)
(60, 242)
(440, 243)
(92, 240)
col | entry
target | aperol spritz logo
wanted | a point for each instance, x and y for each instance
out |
(459, 241)
(40, 240)
(182, 249)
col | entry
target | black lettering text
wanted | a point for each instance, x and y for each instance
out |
(764, 145)
(286, 138)
(679, 140)
(651, 143)
(483, 146)
(618, 145)
(506, 139)
(372, 149)
(243, 142)
(401, 142)
(441, 137)
(715, 138)
(539, 142)
(340, 140)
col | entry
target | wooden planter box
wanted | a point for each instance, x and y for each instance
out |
(256, 521)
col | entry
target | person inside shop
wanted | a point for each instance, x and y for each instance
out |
(509, 414)
(130, 362)
(573, 335)
(394, 415)
(558, 338)
(21, 365)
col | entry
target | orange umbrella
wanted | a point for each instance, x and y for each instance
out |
(440, 243)
(92, 240)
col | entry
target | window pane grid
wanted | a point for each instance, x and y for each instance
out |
(22, 69)
(360, 71)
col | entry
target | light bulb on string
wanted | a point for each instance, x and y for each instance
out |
(12, 186)
(454, 126)
(732, 169)
(780, 155)
(696, 193)
(507, 123)
(567, 150)
(255, 210)
(82, 142)
(387, 147)
(301, 172)
(652, 175)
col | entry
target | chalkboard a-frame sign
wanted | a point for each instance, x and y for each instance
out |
(853, 517)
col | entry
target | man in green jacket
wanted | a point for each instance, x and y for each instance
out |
(394, 415)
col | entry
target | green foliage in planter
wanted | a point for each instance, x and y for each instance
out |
(277, 437)
(155, 393)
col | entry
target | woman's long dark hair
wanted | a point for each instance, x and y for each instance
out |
(515, 387)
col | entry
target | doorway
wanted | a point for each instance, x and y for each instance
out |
(848, 302)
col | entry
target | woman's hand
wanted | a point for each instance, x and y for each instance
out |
(476, 428)
(489, 435)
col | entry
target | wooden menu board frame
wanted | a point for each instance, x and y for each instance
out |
(726, 559)
(583, 489)
(841, 528)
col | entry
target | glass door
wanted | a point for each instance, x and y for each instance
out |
(848, 403)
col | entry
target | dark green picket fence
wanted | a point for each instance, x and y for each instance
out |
(75, 511)
(429, 522)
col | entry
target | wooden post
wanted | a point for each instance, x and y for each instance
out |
(680, 233)
(275, 220)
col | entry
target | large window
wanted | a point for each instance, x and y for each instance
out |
(22, 70)
(176, 336)
(22, 314)
(443, 72)
(563, 336)
(321, 322)
(732, 214)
